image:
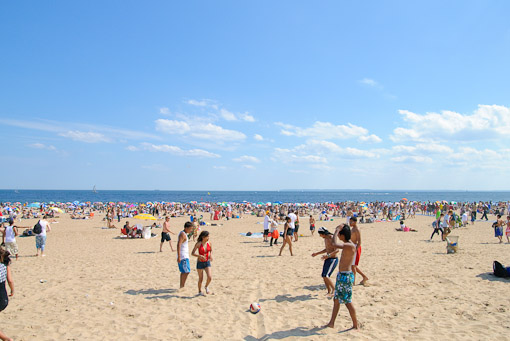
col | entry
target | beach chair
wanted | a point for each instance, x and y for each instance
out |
(452, 244)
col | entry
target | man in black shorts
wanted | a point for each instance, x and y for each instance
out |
(165, 235)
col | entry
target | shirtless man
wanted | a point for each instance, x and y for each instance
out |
(345, 277)
(356, 240)
(165, 235)
(330, 259)
(312, 224)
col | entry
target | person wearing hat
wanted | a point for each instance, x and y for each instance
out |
(330, 259)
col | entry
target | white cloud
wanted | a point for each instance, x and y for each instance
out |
(327, 131)
(227, 115)
(88, 137)
(178, 151)
(199, 130)
(164, 111)
(132, 148)
(258, 137)
(369, 82)
(219, 167)
(412, 159)
(206, 103)
(249, 166)
(486, 123)
(247, 158)
(322, 147)
(247, 117)
(42, 146)
(370, 138)
(291, 156)
(172, 126)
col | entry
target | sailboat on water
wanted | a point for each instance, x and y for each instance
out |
(94, 189)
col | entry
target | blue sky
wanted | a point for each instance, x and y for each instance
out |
(260, 95)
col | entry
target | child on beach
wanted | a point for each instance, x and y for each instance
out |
(345, 277)
(274, 231)
(204, 260)
(5, 276)
(330, 259)
(287, 236)
(498, 228)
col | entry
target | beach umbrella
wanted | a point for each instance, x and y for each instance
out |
(34, 204)
(144, 216)
(404, 199)
(56, 209)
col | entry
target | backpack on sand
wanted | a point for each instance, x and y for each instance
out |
(499, 270)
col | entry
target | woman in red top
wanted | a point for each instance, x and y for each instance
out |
(204, 260)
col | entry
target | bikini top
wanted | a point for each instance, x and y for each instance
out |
(204, 251)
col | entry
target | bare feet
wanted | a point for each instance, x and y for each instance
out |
(207, 291)
(329, 325)
(364, 282)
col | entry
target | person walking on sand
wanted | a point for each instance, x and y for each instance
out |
(40, 239)
(498, 229)
(165, 235)
(356, 240)
(5, 279)
(287, 236)
(296, 227)
(507, 231)
(9, 234)
(345, 277)
(183, 253)
(312, 224)
(330, 259)
(266, 226)
(204, 249)
(274, 231)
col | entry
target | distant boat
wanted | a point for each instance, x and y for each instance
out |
(94, 189)
(16, 191)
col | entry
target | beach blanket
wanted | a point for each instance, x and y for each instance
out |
(253, 235)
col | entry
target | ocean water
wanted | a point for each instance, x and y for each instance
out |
(249, 196)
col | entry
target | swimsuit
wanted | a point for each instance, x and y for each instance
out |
(343, 287)
(165, 237)
(329, 266)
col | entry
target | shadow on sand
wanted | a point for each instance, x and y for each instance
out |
(296, 332)
(489, 276)
(289, 298)
(162, 294)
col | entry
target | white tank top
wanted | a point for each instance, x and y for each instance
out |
(184, 248)
(9, 234)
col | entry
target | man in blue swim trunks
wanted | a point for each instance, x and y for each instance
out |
(183, 253)
(330, 259)
(345, 277)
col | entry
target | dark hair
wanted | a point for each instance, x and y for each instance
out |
(287, 218)
(202, 235)
(354, 219)
(346, 232)
(188, 224)
(4, 256)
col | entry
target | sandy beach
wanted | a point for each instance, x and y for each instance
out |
(92, 285)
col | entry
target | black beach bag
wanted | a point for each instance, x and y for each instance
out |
(499, 270)
(37, 228)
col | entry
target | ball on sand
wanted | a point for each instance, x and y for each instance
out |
(254, 307)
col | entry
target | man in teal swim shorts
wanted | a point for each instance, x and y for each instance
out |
(345, 277)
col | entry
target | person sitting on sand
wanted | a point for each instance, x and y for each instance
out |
(130, 230)
(404, 228)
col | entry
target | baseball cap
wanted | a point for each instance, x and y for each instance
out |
(323, 230)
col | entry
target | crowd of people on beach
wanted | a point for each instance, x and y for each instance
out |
(346, 239)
